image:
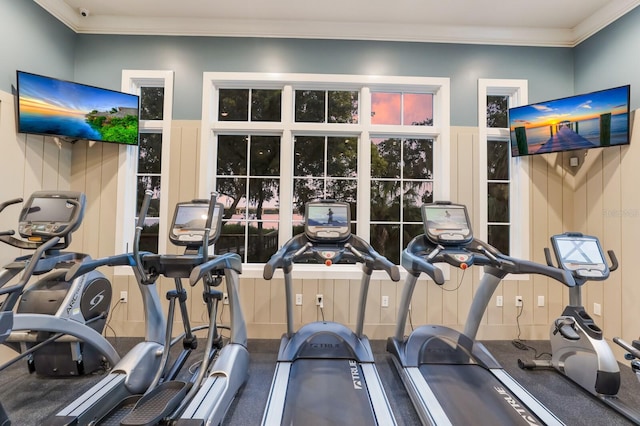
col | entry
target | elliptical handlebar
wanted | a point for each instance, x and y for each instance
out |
(7, 203)
(27, 273)
(207, 227)
(146, 201)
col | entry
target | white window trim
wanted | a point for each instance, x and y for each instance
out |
(132, 81)
(440, 132)
(519, 186)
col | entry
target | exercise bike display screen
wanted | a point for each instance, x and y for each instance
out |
(580, 254)
(446, 223)
(189, 223)
(327, 221)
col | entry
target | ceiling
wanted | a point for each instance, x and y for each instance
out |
(562, 23)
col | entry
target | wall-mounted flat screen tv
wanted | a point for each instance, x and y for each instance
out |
(592, 120)
(74, 111)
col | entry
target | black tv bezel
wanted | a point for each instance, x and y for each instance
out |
(511, 144)
(63, 137)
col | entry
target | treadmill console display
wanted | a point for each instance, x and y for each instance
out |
(327, 221)
(189, 221)
(582, 255)
(49, 214)
(446, 224)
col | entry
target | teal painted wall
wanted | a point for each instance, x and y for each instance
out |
(33, 40)
(611, 58)
(99, 60)
(37, 42)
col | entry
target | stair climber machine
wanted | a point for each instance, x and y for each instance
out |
(578, 347)
(451, 378)
(632, 355)
(144, 389)
(325, 374)
(53, 322)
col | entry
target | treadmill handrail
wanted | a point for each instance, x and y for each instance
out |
(354, 248)
(418, 257)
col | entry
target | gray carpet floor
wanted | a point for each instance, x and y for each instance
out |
(29, 399)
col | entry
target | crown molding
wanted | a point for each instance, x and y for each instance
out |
(306, 29)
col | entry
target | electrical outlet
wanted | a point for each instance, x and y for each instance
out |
(123, 296)
(499, 301)
(320, 300)
(597, 309)
(385, 301)
(225, 299)
(518, 300)
(540, 301)
(298, 299)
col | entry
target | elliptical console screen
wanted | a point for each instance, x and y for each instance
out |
(49, 214)
(581, 255)
(189, 222)
(328, 221)
(446, 224)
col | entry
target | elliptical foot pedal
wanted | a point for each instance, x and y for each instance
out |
(157, 404)
(120, 411)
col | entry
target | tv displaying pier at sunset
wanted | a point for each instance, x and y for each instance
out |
(592, 120)
(73, 111)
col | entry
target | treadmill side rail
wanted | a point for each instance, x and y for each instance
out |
(529, 400)
(275, 403)
(379, 401)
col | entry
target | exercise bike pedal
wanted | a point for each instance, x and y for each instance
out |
(565, 326)
(157, 404)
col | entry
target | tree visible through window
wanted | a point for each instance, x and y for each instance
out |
(150, 166)
(267, 172)
(498, 180)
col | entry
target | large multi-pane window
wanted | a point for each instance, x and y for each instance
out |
(276, 143)
(145, 167)
(504, 193)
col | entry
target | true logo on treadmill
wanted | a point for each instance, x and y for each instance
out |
(516, 405)
(355, 375)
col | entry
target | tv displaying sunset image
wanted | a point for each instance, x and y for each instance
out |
(48, 106)
(591, 120)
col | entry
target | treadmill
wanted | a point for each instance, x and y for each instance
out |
(451, 378)
(325, 374)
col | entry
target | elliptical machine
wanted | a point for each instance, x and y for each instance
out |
(143, 388)
(54, 323)
(578, 347)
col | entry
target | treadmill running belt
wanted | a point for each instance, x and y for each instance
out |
(327, 392)
(470, 394)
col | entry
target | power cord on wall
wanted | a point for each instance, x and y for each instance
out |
(520, 344)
